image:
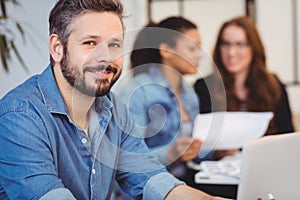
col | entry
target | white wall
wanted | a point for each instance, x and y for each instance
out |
(275, 22)
(276, 31)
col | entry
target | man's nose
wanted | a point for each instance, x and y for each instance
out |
(102, 53)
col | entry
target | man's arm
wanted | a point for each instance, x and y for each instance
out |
(26, 169)
(187, 192)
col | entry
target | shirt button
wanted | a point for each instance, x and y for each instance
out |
(93, 171)
(84, 140)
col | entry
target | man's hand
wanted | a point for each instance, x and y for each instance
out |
(186, 192)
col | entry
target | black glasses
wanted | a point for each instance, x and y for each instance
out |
(237, 45)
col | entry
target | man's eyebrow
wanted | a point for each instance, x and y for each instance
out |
(113, 38)
(116, 39)
(89, 37)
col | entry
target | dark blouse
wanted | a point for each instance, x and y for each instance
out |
(282, 121)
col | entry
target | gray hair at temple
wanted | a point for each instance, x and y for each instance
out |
(66, 11)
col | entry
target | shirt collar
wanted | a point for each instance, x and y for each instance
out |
(103, 104)
(52, 97)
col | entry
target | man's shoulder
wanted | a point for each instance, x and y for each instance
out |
(21, 97)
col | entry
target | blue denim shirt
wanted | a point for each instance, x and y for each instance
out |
(44, 154)
(152, 103)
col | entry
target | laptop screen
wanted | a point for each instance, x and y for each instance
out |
(270, 168)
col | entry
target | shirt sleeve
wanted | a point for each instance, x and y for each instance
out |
(26, 169)
(58, 194)
(159, 185)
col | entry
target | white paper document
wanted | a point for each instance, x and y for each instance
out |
(230, 130)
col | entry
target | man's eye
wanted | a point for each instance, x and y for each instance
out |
(90, 43)
(115, 45)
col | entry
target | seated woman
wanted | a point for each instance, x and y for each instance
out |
(240, 60)
(162, 103)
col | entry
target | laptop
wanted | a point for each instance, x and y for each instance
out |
(270, 168)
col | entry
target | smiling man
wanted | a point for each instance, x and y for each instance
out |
(63, 134)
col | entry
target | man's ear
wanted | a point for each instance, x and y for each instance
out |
(56, 48)
(165, 50)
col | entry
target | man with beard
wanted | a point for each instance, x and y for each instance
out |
(63, 135)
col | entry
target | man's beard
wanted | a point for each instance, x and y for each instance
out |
(76, 78)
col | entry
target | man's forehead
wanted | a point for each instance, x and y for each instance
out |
(107, 24)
